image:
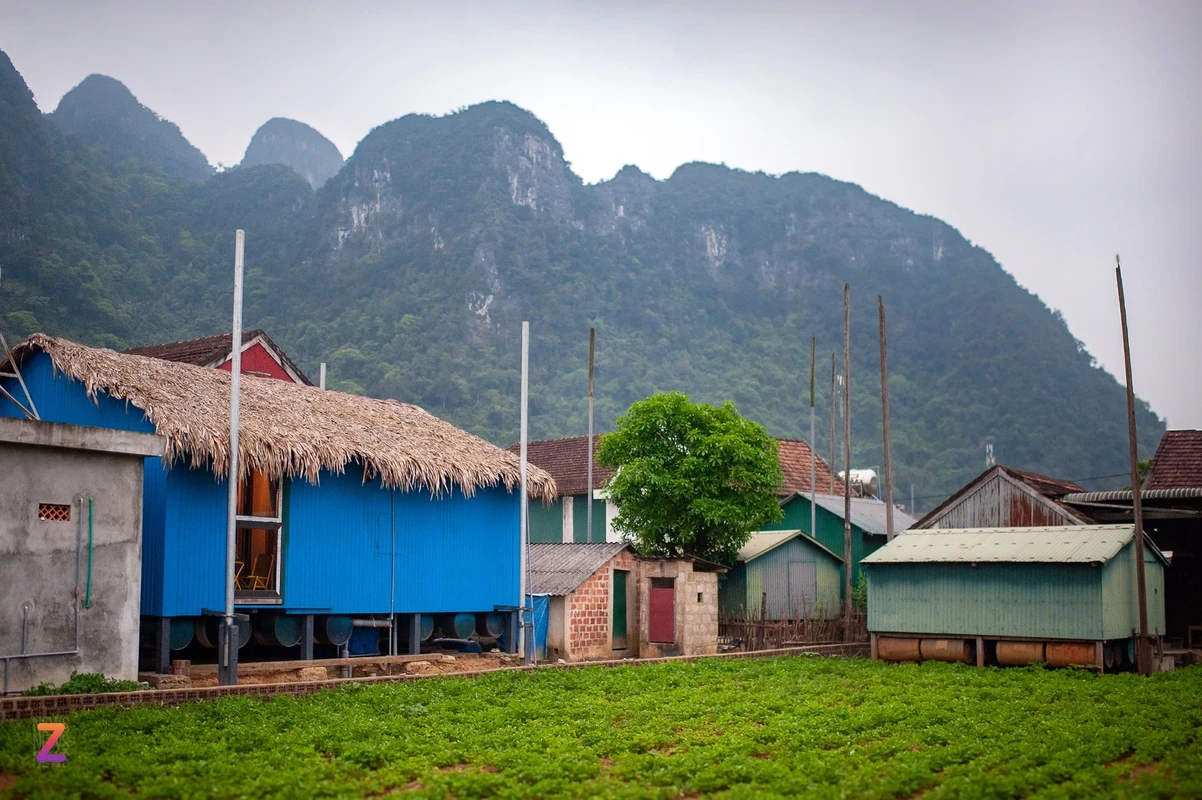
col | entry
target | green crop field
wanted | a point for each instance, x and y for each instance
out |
(786, 726)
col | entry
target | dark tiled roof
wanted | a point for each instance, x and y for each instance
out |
(1178, 461)
(567, 461)
(205, 351)
(795, 458)
(557, 569)
(1048, 487)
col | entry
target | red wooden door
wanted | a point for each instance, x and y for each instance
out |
(662, 622)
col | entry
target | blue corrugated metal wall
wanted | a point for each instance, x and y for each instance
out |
(154, 496)
(337, 543)
(457, 554)
(60, 399)
(193, 575)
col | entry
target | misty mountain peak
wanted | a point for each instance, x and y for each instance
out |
(297, 145)
(103, 112)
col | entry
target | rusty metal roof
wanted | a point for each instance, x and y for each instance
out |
(1070, 544)
(557, 569)
(763, 542)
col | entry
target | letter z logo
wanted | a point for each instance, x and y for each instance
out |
(56, 730)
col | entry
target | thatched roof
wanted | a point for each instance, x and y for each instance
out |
(289, 429)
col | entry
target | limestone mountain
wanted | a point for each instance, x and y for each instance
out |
(296, 145)
(411, 269)
(102, 112)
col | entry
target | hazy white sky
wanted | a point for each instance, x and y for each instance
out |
(1053, 134)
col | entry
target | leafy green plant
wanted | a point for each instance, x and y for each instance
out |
(691, 479)
(85, 683)
(859, 592)
(792, 726)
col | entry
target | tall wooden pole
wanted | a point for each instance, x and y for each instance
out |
(848, 605)
(592, 333)
(1143, 655)
(885, 419)
(834, 392)
(813, 443)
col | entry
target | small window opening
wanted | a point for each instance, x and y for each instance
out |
(54, 512)
(699, 596)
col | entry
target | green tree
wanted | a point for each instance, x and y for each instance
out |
(691, 479)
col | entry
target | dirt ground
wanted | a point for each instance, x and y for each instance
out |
(432, 664)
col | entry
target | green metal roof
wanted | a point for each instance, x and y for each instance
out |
(1073, 544)
(766, 541)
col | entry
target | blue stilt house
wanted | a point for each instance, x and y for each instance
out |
(348, 507)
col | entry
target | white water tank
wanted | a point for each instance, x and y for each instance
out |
(864, 482)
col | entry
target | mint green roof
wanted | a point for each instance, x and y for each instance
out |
(1073, 544)
(762, 542)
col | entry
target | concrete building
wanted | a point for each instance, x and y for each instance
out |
(678, 607)
(607, 603)
(1012, 595)
(593, 599)
(70, 550)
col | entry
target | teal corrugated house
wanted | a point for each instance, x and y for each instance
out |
(798, 573)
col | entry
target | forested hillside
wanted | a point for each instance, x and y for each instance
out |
(411, 269)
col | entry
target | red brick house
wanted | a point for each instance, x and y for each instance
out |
(607, 603)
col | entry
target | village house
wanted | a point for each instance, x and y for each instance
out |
(348, 507)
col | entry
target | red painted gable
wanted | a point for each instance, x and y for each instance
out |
(257, 361)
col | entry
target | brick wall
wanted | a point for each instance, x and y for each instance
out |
(590, 613)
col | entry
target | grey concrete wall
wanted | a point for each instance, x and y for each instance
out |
(696, 621)
(38, 559)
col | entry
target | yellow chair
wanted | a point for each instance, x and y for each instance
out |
(238, 567)
(260, 573)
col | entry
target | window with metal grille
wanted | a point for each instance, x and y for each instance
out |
(54, 512)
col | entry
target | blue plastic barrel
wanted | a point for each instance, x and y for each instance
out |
(182, 631)
(332, 629)
(490, 624)
(457, 626)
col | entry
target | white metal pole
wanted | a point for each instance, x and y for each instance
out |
(321, 373)
(524, 645)
(229, 653)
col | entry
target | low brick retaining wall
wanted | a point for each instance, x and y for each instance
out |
(12, 708)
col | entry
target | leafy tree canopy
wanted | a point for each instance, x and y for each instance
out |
(691, 479)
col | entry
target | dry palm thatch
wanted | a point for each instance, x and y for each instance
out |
(289, 429)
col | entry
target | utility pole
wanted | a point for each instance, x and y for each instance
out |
(592, 333)
(848, 605)
(813, 443)
(885, 419)
(227, 639)
(833, 394)
(1143, 654)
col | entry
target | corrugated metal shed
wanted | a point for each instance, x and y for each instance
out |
(557, 569)
(765, 541)
(1069, 582)
(867, 513)
(1092, 544)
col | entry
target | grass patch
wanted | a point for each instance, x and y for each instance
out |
(785, 726)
